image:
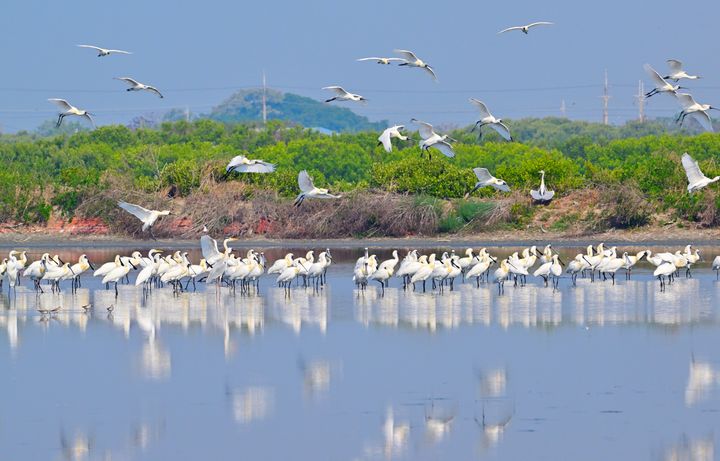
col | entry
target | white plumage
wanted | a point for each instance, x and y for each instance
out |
(137, 86)
(388, 134)
(104, 51)
(486, 179)
(486, 118)
(67, 109)
(308, 189)
(432, 139)
(696, 179)
(526, 28)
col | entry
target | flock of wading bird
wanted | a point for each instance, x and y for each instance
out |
(224, 268)
(667, 84)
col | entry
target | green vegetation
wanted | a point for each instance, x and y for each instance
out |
(246, 106)
(635, 178)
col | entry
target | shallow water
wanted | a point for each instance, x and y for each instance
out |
(591, 372)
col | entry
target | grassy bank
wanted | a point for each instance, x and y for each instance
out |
(605, 178)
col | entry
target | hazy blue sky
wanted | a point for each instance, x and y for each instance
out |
(198, 52)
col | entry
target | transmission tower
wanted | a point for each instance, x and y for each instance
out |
(606, 99)
(641, 101)
(562, 109)
(264, 100)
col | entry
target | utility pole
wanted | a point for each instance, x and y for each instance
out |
(187, 113)
(606, 98)
(562, 109)
(641, 101)
(264, 100)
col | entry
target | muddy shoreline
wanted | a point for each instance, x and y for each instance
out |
(651, 237)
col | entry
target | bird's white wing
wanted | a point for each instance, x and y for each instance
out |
(429, 70)
(510, 28)
(540, 23)
(209, 248)
(535, 195)
(61, 103)
(445, 148)
(692, 169)
(152, 89)
(236, 161)
(686, 100)
(503, 130)
(305, 181)
(703, 119)
(257, 166)
(128, 80)
(385, 139)
(482, 174)
(87, 116)
(657, 79)
(373, 58)
(119, 51)
(97, 48)
(484, 112)
(337, 89)
(407, 55)
(425, 129)
(136, 210)
(674, 65)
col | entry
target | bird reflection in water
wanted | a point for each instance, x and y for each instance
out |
(317, 376)
(253, 403)
(493, 418)
(691, 449)
(702, 379)
(77, 447)
(439, 416)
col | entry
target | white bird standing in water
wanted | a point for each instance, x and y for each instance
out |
(342, 95)
(432, 139)
(104, 51)
(137, 86)
(716, 266)
(388, 134)
(411, 60)
(68, 109)
(542, 194)
(695, 110)
(676, 71)
(526, 28)
(148, 217)
(308, 189)
(486, 118)
(486, 179)
(241, 164)
(696, 179)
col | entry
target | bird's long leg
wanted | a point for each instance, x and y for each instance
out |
(116, 290)
(151, 233)
(330, 100)
(59, 120)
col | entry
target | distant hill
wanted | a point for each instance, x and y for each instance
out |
(246, 105)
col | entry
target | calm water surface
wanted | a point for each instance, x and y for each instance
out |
(592, 372)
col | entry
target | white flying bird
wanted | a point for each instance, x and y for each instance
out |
(384, 61)
(486, 179)
(542, 194)
(148, 217)
(694, 109)
(104, 51)
(661, 85)
(308, 189)
(388, 134)
(411, 60)
(242, 164)
(67, 109)
(526, 28)
(432, 139)
(677, 72)
(486, 118)
(137, 86)
(696, 179)
(343, 95)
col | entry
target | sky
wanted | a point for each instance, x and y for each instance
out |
(198, 53)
